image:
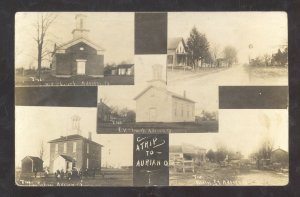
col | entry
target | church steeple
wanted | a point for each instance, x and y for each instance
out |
(80, 27)
(76, 125)
(157, 79)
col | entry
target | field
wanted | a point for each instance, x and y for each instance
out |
(228, 176)
(49, 80)
(159, 127)
(268, 75)
(109, 177)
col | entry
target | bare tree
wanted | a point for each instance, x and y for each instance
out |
(43, 22)
(42, 150)
(230, 55)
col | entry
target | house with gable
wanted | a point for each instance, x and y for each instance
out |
(177, 53)
(74, 151)
(157, 104)
(79, 56)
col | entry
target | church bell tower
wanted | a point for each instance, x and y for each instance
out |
(80, 27)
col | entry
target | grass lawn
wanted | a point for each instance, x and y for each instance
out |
(50, 80)
(159, 127)
(227, 176)
(112, 177)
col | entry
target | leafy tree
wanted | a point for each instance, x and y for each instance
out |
(210, 155)
(198, 47)
(230, 55)
(280, 58)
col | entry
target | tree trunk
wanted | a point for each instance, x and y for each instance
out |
(39, 61)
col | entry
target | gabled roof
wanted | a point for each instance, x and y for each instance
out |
(125, 65)
(76, 41)
(174, 42)
(184, 148)
(67, 158)
(34, 159)
(167, 91)
(279, 149)
(73, 137)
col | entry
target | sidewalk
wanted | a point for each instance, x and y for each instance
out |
(176, 75)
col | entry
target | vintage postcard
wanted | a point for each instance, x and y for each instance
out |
(152, 99)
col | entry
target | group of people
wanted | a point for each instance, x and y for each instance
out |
(74, 173)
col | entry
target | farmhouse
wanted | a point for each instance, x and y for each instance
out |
(157, 104)
(32, 164)
(177, 53)
(74, 150)
(79, 56)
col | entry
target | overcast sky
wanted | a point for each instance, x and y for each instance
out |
(112, 31)
(242, 130)
(266, 31)
(37, 124)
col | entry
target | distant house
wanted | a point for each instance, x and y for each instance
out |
(79, 56)
(106, 115)
(156, 104)
(104, 112)
(125, 69)
(177, 53)
(280, 156)
(122, 69)
(32, 164)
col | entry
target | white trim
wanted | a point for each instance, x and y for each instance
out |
(86, 41)
(60, 51)
(68, 76)
(81, 60)
(96, 75)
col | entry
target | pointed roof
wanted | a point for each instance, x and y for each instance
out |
(174, 42)
(167, 91)
(34, 159)
(67, 158)
(76, 41)
(73, 137)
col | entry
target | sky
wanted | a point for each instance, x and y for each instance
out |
(42, 124)
(112, 31)
(266, 31)
(242, 130)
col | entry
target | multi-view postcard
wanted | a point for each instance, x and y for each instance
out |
(178, 99)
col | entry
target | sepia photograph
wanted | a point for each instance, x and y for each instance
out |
(206, 105)
(251, 149)
(69, 48)
(63, 149)
(227, 48)
(150, 106)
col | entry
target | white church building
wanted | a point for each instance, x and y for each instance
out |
(157, 104)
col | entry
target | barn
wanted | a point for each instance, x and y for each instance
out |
(78, 57)
(157, 104)
(32, 164)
